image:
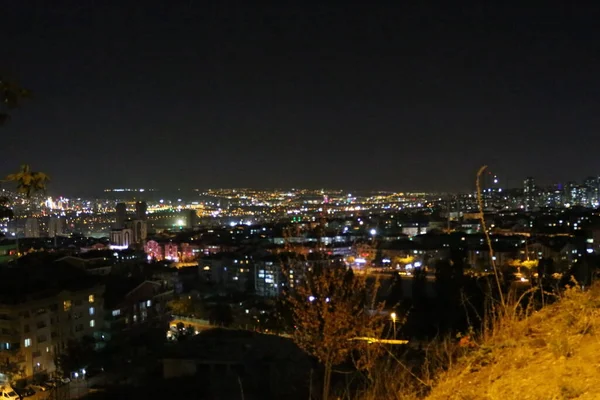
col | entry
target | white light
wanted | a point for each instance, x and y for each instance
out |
(373, 232)
(327, 300)
(360, 261)
(180, 222)
(590, 251)
(232, 223)
(417, 264)
(311, 298)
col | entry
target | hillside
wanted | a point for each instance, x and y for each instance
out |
(552, 354)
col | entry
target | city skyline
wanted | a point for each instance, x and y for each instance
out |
(404, 97)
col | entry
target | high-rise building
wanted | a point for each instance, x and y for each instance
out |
(529, 193)
(492, 192)
(556, 196)
(191, 218)
(55, 227)
(592, 191)
(139, 229)
(32, 228)
(121, 215)
(574, 194)
(141, 208)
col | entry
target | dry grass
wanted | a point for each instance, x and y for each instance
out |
(551, 354)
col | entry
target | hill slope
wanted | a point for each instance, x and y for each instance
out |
(552, 354)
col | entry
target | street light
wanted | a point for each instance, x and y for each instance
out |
(393, 315)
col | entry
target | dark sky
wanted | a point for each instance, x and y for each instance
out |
(402, 95)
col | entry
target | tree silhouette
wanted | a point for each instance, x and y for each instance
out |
(221, 315)
(187, 307)
(29, 181)
(396, 292)
(78, 354)
(11, 96)
(448, 286)
(332, 306)
(11, 365)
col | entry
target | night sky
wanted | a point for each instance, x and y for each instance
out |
(404, 95)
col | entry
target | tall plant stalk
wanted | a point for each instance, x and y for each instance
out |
(487, 235)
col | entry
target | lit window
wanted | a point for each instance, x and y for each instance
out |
(67, 305)
(91, 298)
(27, 342)
(116, 312)
(92, 310)
(149, 303)
(92, 323)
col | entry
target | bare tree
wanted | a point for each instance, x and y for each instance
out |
(332, 307)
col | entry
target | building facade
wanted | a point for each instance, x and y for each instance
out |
(34, 331)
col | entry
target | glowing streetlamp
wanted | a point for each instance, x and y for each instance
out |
(394, 316)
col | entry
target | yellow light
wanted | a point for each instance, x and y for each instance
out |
(393, 315)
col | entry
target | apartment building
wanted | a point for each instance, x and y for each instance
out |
(36, 322)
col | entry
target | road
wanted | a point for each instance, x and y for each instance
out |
(74, 390)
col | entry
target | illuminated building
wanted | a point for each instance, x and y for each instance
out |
(171, 252)
(139, 229)
(574, 194)
(530, 193)
(121, 238)
(269, 277)
(188, 251)
(227, 270)
(32, 228)
(55, 227)
(153, 250)
(592, 191)
(36, 327)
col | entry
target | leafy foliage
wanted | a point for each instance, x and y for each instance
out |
(29, 181)
(77, 355)
(5, 211)
(220, 314)
(186, 306)
(11, 96)
(11, 365)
